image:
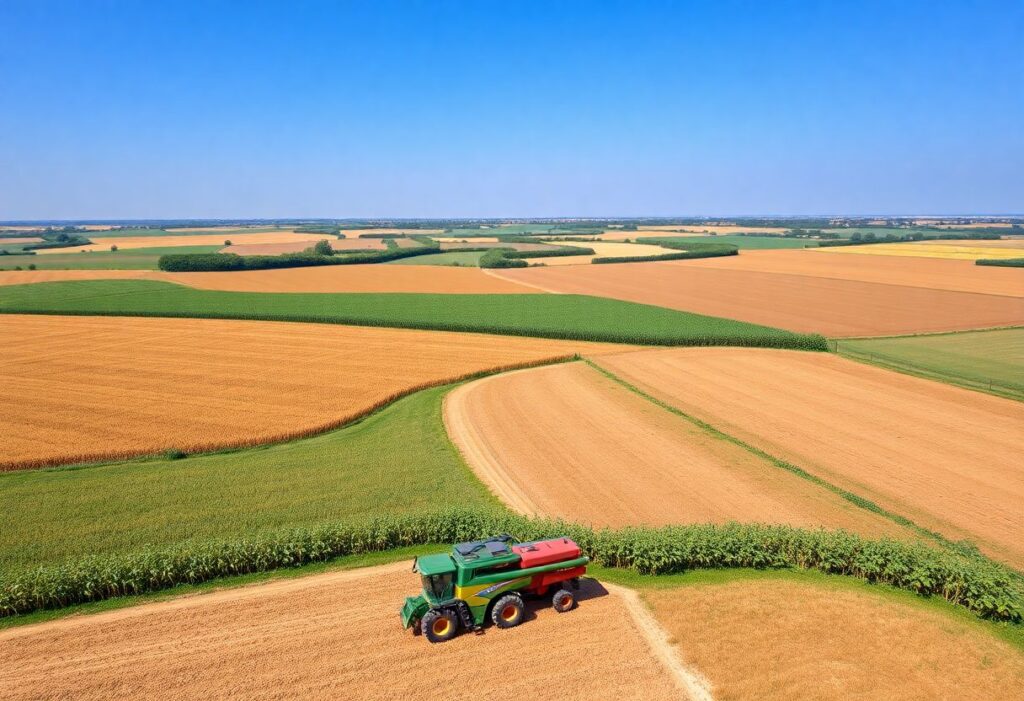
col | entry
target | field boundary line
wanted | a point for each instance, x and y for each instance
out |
(692, 683)
(984, 329)
(849, 496)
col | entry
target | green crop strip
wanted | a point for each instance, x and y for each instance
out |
(963, 548)
(575, 317)
(985, 588)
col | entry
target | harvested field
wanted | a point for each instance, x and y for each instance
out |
(947, 458)
(465, 239)
(567, 442)
(275, 249)
(766, 639)
(347, 278)
(602, 249)
(357, 233)
(78, 389)
(334, 635)
(515, 246)
(928, 249)
(931, 273)
(713, 229)
(19, 239)
(841, 308)
(127, 242)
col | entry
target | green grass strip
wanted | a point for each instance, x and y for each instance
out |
(963, 548)
(575, 317)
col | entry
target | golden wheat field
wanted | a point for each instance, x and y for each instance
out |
(952, 251)
(79, 389)
(100, 243)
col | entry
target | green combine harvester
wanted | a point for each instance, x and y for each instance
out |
(488, 578)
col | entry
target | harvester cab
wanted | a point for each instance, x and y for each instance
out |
(487, 578)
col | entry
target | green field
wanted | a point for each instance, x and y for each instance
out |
(127, 259)
(741, 242)
(546, 316)
(470, 259)
(991, 361)
(396, 461)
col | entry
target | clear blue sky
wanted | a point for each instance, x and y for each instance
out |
(258, 109)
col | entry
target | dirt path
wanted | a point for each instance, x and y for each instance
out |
(946, 457)
(335, 635)
(567, 442)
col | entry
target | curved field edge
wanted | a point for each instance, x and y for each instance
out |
(100, 458)
(982, 587)
(573, 317)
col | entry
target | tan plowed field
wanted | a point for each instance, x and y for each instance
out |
(565, 441)
(932, 273)
(19, 239)
(90, 388)
(946, 457)
(330, 636)
(341, 278)
(100, 243)
(800, 642)
(841, 308)
(276, 249)
(357, 233)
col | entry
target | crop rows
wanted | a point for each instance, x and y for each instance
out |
(983, 587)
(576, 317)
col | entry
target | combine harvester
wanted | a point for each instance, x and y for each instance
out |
(489, 578)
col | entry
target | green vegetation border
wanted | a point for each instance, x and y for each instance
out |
(1001, 262)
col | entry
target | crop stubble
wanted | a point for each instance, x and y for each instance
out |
(801, 642)
(946, 457)
(567, 442)
(89, 388)
(335, 635)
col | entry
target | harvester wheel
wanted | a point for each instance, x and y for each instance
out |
(439, 626)
(563, 600)
(508, 611)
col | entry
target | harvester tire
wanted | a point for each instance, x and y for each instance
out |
(563, 600)
(439, 625)
(508, 611)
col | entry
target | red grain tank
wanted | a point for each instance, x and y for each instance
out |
(545, 552)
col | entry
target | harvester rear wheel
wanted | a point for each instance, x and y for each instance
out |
(563, 600)
(508, 611)
(439, 626)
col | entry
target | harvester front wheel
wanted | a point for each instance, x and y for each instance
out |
(439, 626)
(563, 600)
(508, 611)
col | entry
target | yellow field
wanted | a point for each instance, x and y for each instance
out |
(800, 642)
(103, 243)
(603, 249)
(930, 249)
(715, 229)
(88, 388)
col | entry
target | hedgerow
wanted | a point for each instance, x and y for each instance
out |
(981, 586)
(226, 262)
(1001, 262)
(511, 258)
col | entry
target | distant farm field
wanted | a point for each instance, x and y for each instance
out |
(275, 249)
(565, 441)
(546, 316)
(929, 273)
(966, 250)
(945, 457)
(840, 308)
(455, 258)
(992, 361)
(128, 259)
(778, 639)
(348, 278)
(395, 461)
(79, 389)
(100, 243)
(752, 243)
